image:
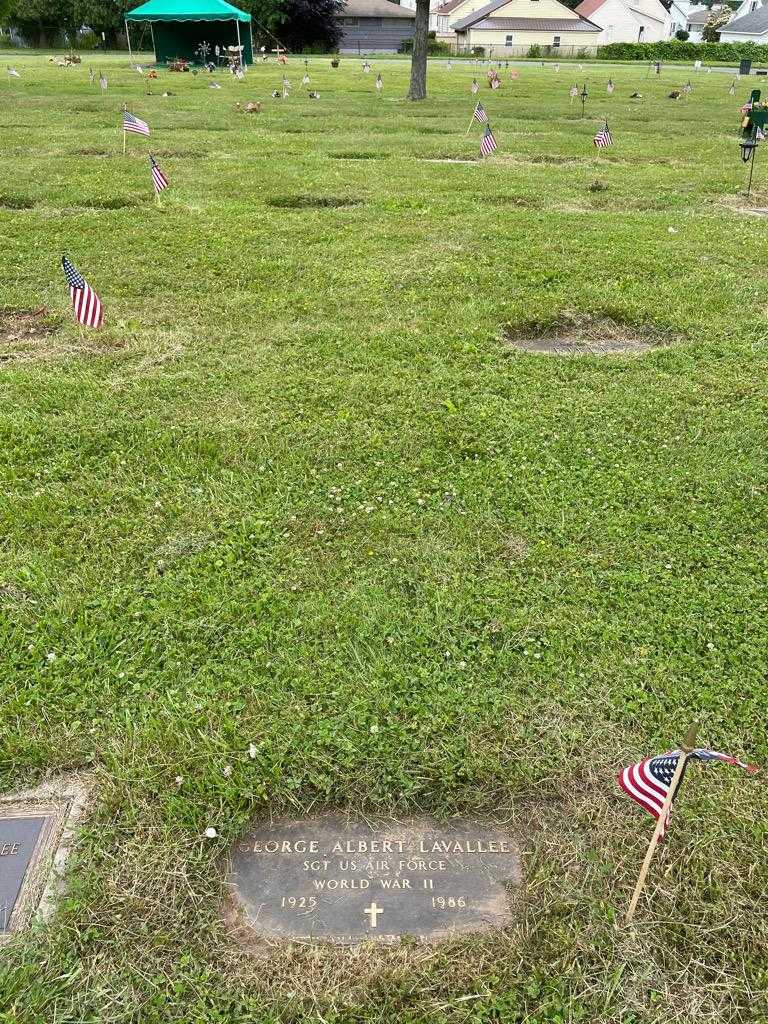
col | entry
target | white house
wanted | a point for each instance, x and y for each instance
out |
(627, 21)
(513, 26)
(677, 16)
(438, 20)
(447, 12)
(750, 26)
(700, 17)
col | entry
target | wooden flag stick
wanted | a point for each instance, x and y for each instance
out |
(688, 745)
(471, 122)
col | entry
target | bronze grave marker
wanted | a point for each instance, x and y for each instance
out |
(342, 881)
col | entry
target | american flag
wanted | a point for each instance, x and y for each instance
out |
(85, 302)
(488, 142)
(159, 180)
(495, 83)
(379, 82)
(480, 114)
(648, 781)
(134, 124)
(603, 137)
(475, 87)
(102, 81)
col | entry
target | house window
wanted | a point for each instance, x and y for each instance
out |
(640, 34)
(556, 41)
(510, 41)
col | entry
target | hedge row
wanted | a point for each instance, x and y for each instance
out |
(676, 49)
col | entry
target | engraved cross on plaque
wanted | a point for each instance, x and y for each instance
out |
(373, 912)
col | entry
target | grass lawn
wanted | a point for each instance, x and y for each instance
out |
(299, 493)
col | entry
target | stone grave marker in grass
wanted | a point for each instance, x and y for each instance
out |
(345, 881)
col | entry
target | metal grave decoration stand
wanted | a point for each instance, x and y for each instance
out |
(752, 131)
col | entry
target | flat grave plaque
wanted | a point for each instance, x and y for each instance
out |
(342, 881)
(19, 838)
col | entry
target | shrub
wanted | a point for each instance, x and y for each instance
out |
(680, 50)
(534, 51)
(87, 41)
(435, 47)
(682, 35)
(6, 43)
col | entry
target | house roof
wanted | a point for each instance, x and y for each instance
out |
(481, 19)
(588, 7)
(448, 6)
(645, 14)
(187, 10)
(699, 17)
(754, 23)
(375, 9)
(536, 25)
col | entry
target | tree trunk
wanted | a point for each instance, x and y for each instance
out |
(418, 89)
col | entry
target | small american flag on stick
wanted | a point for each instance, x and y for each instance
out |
(85, 302)
(603, 139)
(134, 124)
(480, 114)
(488, 142)
(159, 180)
(654, 783)
(648, 782)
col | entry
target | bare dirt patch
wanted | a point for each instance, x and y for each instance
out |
(577, 334)
(449, 160)
(35, 335)
(93, 151)
(355, 156)
(23, 331)
(15, 202)
(312, 202)
(515, 548)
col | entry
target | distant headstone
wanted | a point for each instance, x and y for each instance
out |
(343, 881)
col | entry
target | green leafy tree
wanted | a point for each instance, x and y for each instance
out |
(107, 16)
(44, 22)
(717, 20)
(297, 24)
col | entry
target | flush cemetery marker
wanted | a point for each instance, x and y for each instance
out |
(341, 881)
(36, 833)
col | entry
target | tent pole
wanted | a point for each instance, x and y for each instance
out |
(152, 36)
(237, 26)
(128, 37)
(250, 29)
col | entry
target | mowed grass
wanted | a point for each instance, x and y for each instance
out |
(299, 493)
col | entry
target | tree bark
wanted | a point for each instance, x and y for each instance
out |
(418, 89)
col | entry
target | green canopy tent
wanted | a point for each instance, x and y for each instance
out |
(178, 27)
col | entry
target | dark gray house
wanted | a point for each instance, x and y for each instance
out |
(375, 26)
